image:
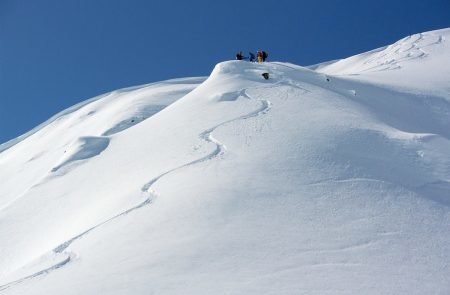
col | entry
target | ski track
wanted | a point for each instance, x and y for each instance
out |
(39, 273)
(207, 136)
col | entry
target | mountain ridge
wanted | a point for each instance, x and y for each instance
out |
(319, 181)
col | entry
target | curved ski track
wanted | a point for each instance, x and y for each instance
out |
(207, 136)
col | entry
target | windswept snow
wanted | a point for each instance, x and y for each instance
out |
(416, 63)
(86, 147)
(334, 181)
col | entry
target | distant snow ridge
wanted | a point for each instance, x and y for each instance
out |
(327, 181)
(10, 143)
(411, 48)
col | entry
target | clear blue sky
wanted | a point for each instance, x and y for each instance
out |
(55, 53)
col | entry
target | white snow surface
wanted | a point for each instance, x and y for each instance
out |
(334, 181)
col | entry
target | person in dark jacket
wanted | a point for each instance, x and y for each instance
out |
(251, 57)
(264, 56)
(239, 55)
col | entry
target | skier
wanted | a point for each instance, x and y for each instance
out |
(264, 56)
(259, 56)
(251, 57)
(239, 55)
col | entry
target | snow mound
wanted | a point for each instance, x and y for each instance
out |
(85, 147)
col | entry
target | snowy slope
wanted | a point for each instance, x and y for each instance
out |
(419, 62)
(238, 185)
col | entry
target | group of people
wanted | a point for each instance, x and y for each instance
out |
(261, 56)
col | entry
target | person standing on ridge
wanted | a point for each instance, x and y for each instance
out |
(259, 56)
(264, 56)
(239, 55)
(251, 57)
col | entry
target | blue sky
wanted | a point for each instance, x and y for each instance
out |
(55, 53)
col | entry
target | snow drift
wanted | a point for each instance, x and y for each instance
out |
(327, 181)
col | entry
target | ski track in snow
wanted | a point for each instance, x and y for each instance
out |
(401, 51)
(207, 136)
(60, 249)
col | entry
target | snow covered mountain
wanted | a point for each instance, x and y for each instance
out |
(327, 181)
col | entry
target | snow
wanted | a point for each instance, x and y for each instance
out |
(327, 181)
(415, 63)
